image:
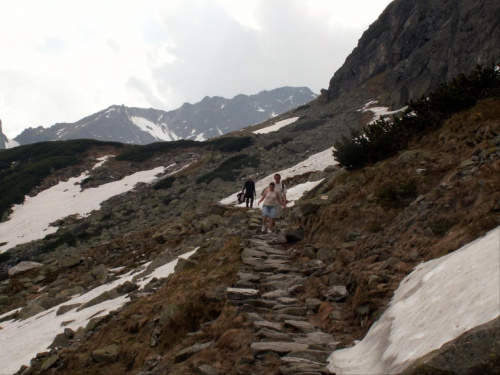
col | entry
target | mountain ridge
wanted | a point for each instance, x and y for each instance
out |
(211, 117)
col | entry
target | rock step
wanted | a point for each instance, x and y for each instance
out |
(279, 347)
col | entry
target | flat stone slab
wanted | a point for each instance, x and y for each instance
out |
(270, 325)
(275, 262)
(246, 276)
(253, 317)
(276, 294)
(271, 250)
(191, 350)
(287, 300)
(317, 338)
(300, 325)
(282, 317)
(292, 310)
(268, 304)
(280, 257)
(22, 268)
(248, 252)
(279, 277)
(273, 335)
(280, 348)
(251, 261)
(311, 355)
(240, 294)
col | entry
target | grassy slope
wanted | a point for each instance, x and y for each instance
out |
(395, 232)
(395, 235)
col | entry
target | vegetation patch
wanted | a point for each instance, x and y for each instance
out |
(307, 125)
(142, 153)
(397, 193)
(384, 138)
(230, 168)
(165, 183)
(229, 144)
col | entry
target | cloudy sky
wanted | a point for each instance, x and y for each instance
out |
(62, 60)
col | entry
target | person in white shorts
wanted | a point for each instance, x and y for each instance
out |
(281, 189)
(271, 200)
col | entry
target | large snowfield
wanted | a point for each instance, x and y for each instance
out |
(314, 163)
(31, 220)
(437, 302)
(21, 340)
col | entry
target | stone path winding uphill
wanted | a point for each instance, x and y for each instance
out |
(264, 292)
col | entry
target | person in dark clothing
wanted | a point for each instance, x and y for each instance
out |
(249, 192)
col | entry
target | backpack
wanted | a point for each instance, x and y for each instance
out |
(239, 196)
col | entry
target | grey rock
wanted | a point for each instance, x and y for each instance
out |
(269, 325)
(49, 363)
(311, 355)
(127, 287)
(23, 267)
(294, 234)
(100, 273)
(241, 294)
(48, 303)
(65, 308)
(168, 313)
(273, 335)
(300, 325)
(281, 348)
(106, 354)
(69, 261)
(191, 350)
(476, 351)
(313, 304)
(337, 293)
(206, 370)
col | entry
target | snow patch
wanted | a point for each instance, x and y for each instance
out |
(200, 137)
(102, 160)
(11, 143)
(436, 303)
(30, 220)
(159, 132)
(379, 111)
(276, 126)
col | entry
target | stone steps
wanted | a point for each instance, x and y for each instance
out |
(264, 293)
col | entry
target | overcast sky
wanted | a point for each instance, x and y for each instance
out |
(62, 60)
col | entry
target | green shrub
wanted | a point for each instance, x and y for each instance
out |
(142, 153)
(307, 125)
(230, 168)
(229, 144)
(66, 238)
(165, 183)
(383, 138)
(397, 193)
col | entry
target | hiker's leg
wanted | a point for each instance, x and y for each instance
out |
(251, 202)
(246, 200)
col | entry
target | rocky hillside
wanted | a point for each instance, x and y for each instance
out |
(418, 44)
(209, 118)
(136, 259)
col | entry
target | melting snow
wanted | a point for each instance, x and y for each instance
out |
(261, 109)
(437, 302)
(159, 132)
(11, 143)
(102, 160)
(30, 220)
(378, 111)
(276, 126)
(200, 137)
(21, 340)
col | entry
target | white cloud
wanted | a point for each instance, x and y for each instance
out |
(64, 60)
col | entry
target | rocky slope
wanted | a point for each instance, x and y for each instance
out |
(418, 44)
(244, 302)
(209, 118)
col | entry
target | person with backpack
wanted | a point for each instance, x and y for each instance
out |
(248, 192)
(271, 200)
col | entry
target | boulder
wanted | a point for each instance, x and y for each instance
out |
(22, 268)
(100, 273)
(294, 234)
(414, 156)
(127, 287)
(337, 293)
(69, 261)
(191, 350)
(476, 351)
(107, 354)
(168, 314)
(48, 363)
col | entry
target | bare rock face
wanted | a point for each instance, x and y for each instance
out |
(3, 138)
(420, 44)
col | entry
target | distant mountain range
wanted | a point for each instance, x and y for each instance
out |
(211, 117)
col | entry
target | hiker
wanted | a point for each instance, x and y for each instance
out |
(281, 189)
(271, 200)
(249, 192)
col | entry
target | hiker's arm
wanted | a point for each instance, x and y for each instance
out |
(261, 199)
